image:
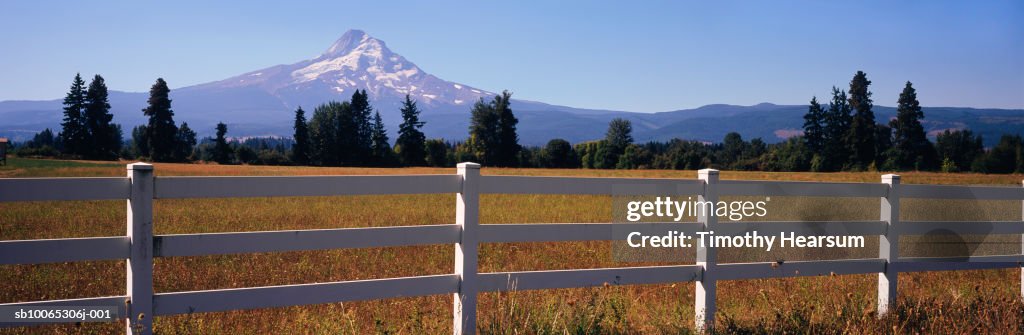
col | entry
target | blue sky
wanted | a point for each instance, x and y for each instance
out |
(646, 57)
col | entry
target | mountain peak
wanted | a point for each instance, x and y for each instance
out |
(349, 41)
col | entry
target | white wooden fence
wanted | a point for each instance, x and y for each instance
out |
(139, 245)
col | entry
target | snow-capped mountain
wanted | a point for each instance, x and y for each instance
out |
(354, 61)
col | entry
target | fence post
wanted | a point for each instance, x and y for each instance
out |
(467, 215)
(704, 306)
(139, 318)
(888, 244)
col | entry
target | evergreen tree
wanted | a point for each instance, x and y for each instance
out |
(300, 150)
(508, 139)
(960, 148)
(74, 133)
(323, 133)
(411, 141)
(222, 152)
(814, 131)
(911, 148)
(483, 140)
(43, 139)
(104, 138)
(382, 154)
(861, 137)
(359, 119)
(161, 130)
(186, 141)
(834, 152)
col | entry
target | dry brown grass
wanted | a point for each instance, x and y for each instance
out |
(752, 306)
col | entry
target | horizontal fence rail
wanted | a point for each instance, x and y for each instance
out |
(139, 245)
(800, 189)
(64, 250)
(63, 189)
(597, 186)
(228, 187)
(734, 271)
(301, 294)
(561, 232)
(300, 240)
(537, 280)
(961, 192)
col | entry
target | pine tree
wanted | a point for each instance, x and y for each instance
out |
(411, 145)
(911, 148)
(861, 137)
(837, 123)
(300, 150)
(162, 132)
(380, 147)
(222, 152)
(483, 133)
(104, 138)
(492, 132)
(325, 142)
(186, 141)
(73, 133)
(361, 122)
(508, 139)
(814, 131)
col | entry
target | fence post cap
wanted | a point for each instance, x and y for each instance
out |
(890, 176)
(707, 171)
(140, 166)
(468, 165)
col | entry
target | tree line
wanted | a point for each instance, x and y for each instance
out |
(840, 135)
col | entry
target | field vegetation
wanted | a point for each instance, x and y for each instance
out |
(934, 302)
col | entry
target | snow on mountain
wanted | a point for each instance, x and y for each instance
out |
(354, 61)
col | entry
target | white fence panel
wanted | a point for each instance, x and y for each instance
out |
(228, 187)
(64, 250)
(734, 271)
(562, 232)
(962, 192)
(800, 189)
(538, 280)
(577, 185)
(960, 227)
(298, 240)
(822, 228)
(63, 189)
(302, 294)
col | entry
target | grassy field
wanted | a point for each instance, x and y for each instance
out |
(938, 302)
